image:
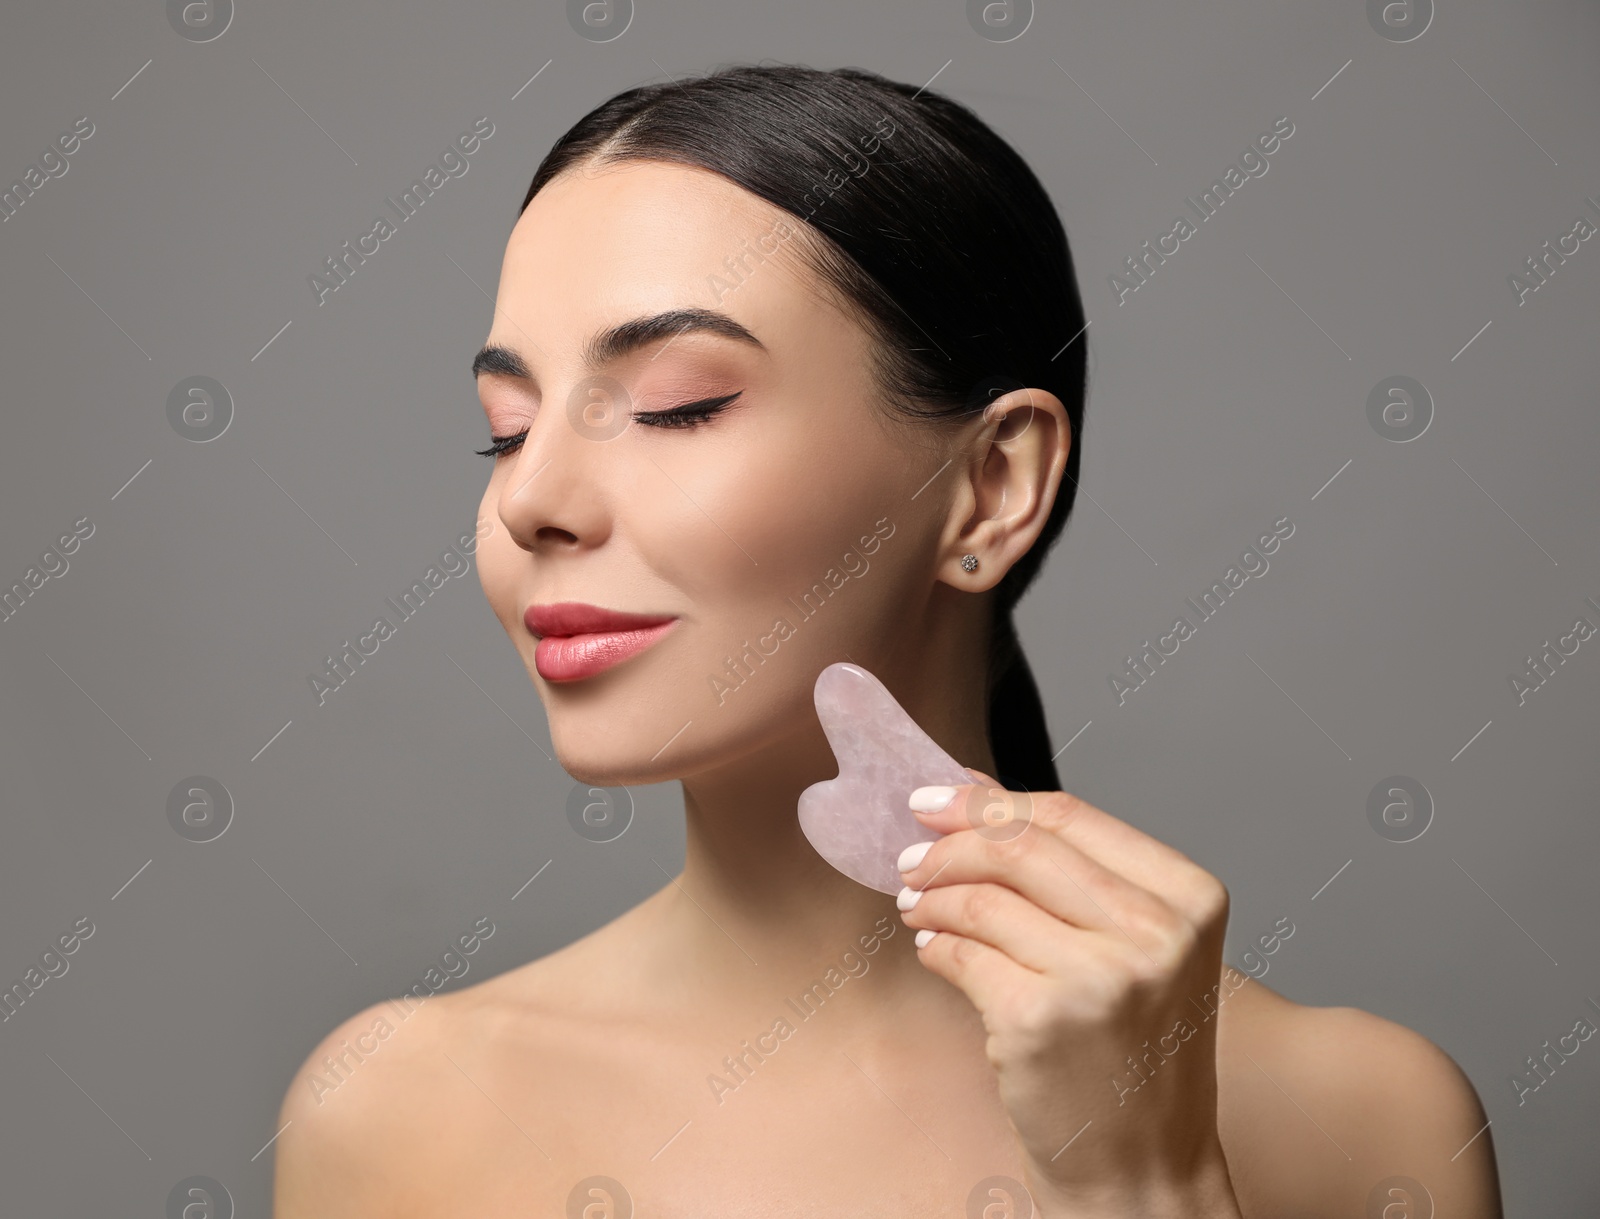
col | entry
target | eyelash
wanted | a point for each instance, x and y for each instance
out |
(691, 414)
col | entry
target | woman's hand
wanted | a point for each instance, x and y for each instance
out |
(1093, 953)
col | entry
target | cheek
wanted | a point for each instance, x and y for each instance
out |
(740, 527)
(773, 515)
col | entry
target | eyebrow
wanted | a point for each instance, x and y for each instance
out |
(622, 339)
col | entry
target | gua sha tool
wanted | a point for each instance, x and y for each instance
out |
(861, 821)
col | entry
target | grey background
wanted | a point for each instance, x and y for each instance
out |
(372, 831)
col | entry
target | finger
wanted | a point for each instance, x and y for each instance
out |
(981, 804)
(994, 811)
(987, 976)
(1054, 876)
(1004, 920)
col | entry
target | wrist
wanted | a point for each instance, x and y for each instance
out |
(1205, 1192)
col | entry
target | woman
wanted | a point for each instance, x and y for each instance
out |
(785, 370)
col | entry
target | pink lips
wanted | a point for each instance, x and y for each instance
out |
(578, 640)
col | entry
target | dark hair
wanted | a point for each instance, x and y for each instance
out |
(933, 230)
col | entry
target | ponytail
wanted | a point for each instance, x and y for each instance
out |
(1018, 734)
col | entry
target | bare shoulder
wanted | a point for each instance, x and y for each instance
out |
(349, 1117)
(382, 1088)
(1322, 1110)
(408, 1084)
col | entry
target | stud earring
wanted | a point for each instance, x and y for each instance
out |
(969, 562)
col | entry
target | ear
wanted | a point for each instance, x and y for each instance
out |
(1016, 454)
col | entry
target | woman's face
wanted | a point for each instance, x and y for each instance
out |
(782, 533)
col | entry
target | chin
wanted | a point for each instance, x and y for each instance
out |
(607, 732)
(617, 760)
(606, 770)
(635, 733)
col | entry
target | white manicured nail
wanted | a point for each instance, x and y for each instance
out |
(912, 855)
(908, 897)
(932, 799)
(924, 936)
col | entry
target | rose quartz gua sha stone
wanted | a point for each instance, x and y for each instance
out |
(861, 821)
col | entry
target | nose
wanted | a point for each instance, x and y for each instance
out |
(555, 498)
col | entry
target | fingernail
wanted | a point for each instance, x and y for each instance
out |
(908, 898)
(912, 855)
(932, 799)
(924, 936)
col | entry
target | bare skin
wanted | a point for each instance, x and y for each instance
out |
(501, 1097)
(926, 1070)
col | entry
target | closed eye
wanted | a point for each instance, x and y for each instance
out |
(690, 414)
(503, 444)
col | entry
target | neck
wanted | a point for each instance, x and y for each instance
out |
(753, 888)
